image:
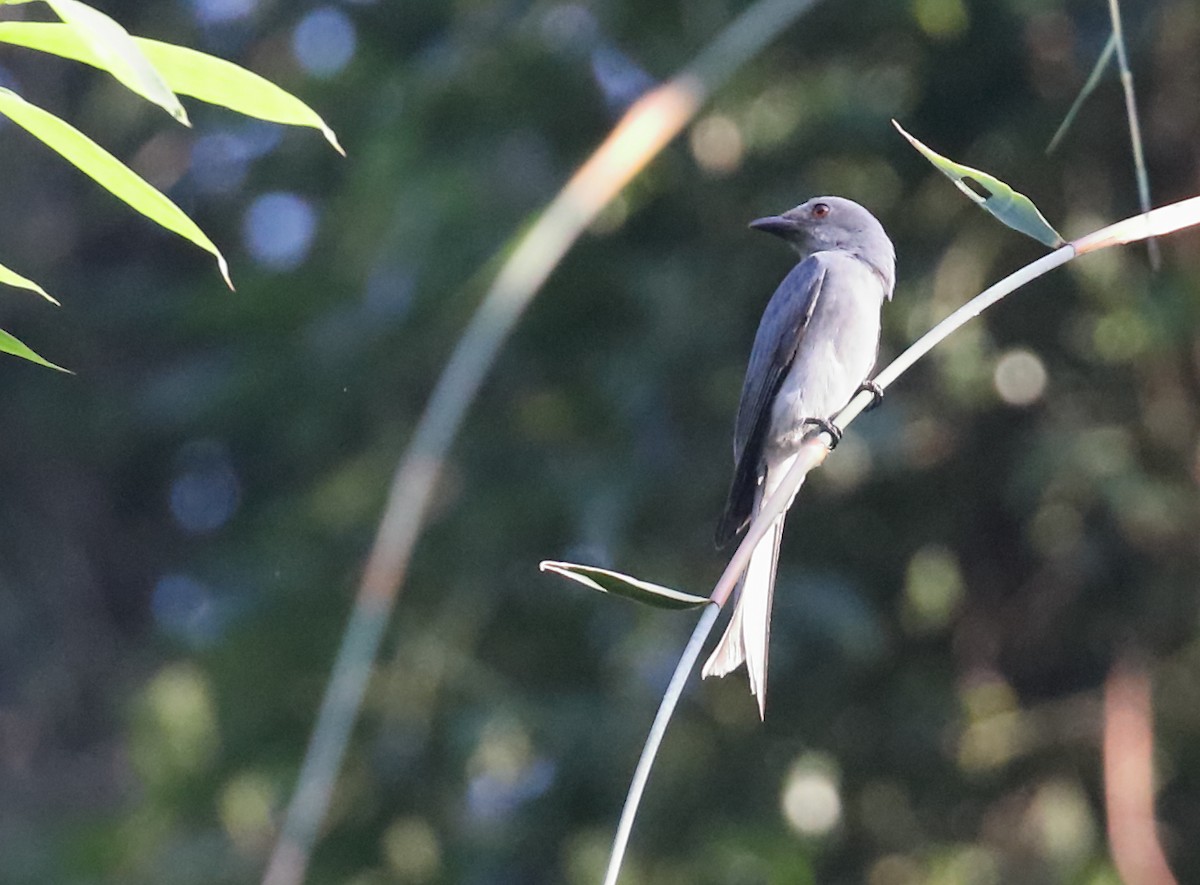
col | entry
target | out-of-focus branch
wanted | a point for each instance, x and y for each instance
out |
(1135, 127)
(1129, 776)
(644, 130)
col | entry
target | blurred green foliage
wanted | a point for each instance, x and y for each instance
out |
(183, 521)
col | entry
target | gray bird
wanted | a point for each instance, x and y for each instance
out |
(815, 346)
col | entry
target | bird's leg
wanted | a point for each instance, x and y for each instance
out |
(876, 393)
(835, 435)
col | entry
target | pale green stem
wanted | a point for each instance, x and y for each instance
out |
(1135, 129)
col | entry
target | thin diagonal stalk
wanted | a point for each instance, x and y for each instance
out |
(1088, 87)
(1135, 128)
(661, 720)
(644, 130)
(813, 452)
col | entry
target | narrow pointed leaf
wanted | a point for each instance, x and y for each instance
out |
(1009, 207)
(186, 72)
(119, 55)
(607, 581)
(12, 278)
(106, 170)
(9, 344)
(1088, 87)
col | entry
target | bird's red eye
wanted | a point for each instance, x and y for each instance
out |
(820, 210)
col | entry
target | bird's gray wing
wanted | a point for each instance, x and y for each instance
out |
(779, 336)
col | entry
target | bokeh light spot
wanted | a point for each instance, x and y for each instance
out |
(177, 732)
(324, 41)
(205, 491)
(717, 145)
(996, 728)
(941, 19)
(811, 800)
(412, 849)
(895, 869)
(245, 808)
(219, 162)
(504, 773)
(212, 12)
(278, 230)
(1020, 378)
(1120, 336)
(1061, 823)
(932, 590)
(183, 607)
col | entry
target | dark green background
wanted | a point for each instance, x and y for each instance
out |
(955, 583)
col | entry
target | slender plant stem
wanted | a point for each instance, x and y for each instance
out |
(645, 129)
(813, 452)
(659, 728)
(1135, 128)
(1089, 86)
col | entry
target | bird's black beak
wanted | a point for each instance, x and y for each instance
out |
(780, 225)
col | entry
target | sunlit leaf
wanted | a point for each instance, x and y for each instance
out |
(1011, 208)
(607, 581)
(9, 344)
(115, 52)
(1093, 79)
(12, 278)
(107, 170)
(186, 72)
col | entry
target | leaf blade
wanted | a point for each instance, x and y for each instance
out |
(617, 584)
(119, 55)
(186, 71)
(106, 170)
(10, 277)
(1013, 209)
(12, 345)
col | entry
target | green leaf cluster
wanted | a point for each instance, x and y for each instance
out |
(158, 72)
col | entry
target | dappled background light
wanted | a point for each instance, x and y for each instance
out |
(222, 11)
(324, 41)
(279, 229)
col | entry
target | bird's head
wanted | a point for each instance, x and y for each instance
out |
(836, 224)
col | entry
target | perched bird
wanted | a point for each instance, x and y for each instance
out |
(816, 344)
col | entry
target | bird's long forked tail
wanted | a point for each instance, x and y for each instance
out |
(748, 636)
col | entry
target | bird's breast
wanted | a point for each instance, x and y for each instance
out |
(836, 354)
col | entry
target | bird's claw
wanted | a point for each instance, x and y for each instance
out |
(876, 393)
(835, 435)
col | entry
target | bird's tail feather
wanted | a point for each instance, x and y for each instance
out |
(748, 635)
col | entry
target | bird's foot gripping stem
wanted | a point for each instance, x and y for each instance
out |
(835, 435)
(876, 393)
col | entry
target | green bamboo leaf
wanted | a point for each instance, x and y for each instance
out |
(107, 170)
(12, 278)
(118, 54)
(1009, 207)
(9, 344)
(607, 581)
(1093, 79)
(186, 72)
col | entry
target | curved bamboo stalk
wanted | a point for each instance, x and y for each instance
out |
(645, 129)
